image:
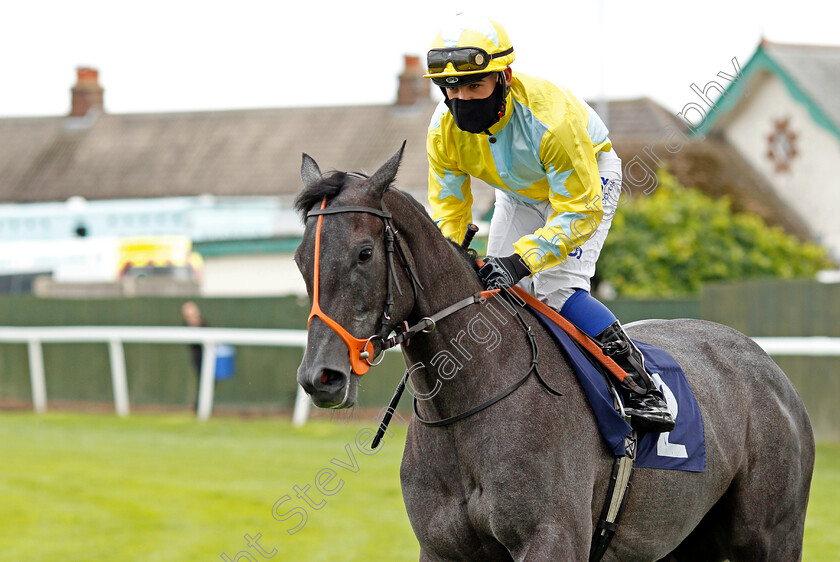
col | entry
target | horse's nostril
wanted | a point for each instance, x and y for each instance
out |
(330, 378)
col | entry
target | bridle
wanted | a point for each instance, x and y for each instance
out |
(363, 350)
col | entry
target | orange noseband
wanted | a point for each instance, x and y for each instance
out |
(360, 350)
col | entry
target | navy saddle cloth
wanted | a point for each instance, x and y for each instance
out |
(684, 448)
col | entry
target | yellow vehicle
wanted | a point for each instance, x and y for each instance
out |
(159, 256)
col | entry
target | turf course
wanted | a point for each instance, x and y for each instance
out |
(165, 488)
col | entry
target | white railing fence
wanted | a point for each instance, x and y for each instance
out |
(116, 336)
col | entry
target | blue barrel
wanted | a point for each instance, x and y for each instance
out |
(225, 361)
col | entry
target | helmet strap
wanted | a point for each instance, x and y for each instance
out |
(503, 102)
(504, 84)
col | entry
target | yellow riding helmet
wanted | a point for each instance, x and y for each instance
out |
(467, 49)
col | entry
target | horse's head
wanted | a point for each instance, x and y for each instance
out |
(345, 263)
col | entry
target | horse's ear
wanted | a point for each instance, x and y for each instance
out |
(385, 175)
(310, 173)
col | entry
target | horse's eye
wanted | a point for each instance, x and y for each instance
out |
(365, 255)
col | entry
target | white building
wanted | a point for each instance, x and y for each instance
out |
(227, 179)
(785, 122)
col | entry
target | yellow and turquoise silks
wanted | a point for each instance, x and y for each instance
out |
(543, 149)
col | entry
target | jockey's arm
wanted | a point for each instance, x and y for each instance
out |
(569, 158)
(450, 195)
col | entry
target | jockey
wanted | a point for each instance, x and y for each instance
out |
(557, 182)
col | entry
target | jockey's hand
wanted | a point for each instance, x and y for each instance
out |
(501, 273)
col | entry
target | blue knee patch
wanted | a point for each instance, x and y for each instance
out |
(587, 313)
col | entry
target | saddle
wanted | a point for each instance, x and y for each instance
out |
(596, 376)
(683, 448)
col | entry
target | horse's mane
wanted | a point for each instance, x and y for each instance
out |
(469, 255)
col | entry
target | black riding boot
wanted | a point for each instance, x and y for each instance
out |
(643, 402)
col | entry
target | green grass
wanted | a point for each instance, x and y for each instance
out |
(95, 487)
(152, 487)
(822, 542)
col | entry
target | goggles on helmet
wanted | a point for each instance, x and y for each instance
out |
(463, 59)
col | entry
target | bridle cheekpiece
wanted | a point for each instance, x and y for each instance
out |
(363, 350)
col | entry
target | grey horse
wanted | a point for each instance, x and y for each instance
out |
(526, 478)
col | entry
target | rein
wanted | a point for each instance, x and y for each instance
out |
(535, 352)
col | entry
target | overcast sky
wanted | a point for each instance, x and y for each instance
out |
(176, 55)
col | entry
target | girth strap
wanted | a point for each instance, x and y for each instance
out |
(619, 486)
(620, 481)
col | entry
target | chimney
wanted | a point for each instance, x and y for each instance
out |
(87, 93)
(413, 87)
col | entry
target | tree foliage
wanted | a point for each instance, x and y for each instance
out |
(671, 242)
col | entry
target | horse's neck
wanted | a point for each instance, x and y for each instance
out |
(470, 353)
(444, 274)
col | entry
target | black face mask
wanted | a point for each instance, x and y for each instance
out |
(476, 116)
